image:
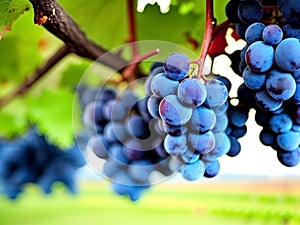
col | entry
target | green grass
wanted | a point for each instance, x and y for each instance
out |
(166, 205)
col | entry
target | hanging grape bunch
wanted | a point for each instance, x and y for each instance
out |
(269, 65)
(181, 125)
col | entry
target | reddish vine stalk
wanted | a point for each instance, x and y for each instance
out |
(210, 23)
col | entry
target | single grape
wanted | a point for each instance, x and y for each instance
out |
(217, 93)
(212, 169)
(235, 147)
(175, 145)
(177, 66)
(265, 102)
(253, 80)
(162, 86)
(202, 143)
(281, 123)
(288, 141)
(272, 34)
(259, 57)
(254, 32)
(287, 54)
(193, 171)
(173, 112)
(281, 86)
(191, 92)
(250, 11)
(202, 119)
(289, 158)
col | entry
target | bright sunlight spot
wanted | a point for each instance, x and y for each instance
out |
(163, 4)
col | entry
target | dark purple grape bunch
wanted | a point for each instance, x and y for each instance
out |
(171, 129)
(269, 65)
(31, 159)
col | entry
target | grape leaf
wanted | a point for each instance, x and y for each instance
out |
(52, 111)
(13, 119)
(10, 10)
(21, 49)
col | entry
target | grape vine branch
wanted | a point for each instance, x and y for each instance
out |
(51, 15)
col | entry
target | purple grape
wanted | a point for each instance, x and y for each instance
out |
(191, 92)
(287, 54)
(281, 86)
(173, 112)
(259, 57)
(272, 34)
(177, 66)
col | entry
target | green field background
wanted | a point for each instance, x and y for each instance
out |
(224, 203)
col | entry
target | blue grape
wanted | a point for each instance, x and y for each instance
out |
(173, 112)
(288, 141)
(99, 145)
(265, 102)
(153, 106)
(106, 94)
(287, 54)
(281, 123)
(202, 143)
(175, 145)
(222, 145)
(253, 80)
(238, 132)
(272, 34)
(254, 32)
(191, 92)
(140, 171)
(291, 31)
(202, 119)
(259, 57)
(222, 109)
(221, 123)
(238, 116)
(193, 171)
(116, 152)
(177, 66)
(137, 127)
(290, 10)
(289, 158)
(155, 66)
(162, 86)
(250, 11)
(235, 147)
(142, 109)
(212, 169)
(217, 93)
(189, 156)
(281, 86)
(267, 137)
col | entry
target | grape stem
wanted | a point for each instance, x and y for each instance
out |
(39, 73)
(210, 23)
(128, 73)
(132, 27)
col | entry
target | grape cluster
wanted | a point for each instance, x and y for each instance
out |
(31, 159)
(269, 65)
(180, 125)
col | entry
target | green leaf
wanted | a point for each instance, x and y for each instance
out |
(21, 49)
(10, 10)
(104, 21)
(13, 119)
(52, 111)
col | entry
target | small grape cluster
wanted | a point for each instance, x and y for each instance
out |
(179, 125)
(270, 67)
(31, 159)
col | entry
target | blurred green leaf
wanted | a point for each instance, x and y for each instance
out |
(52, 111)
(13, 119)
(103, 21)
(20, 49)
(10, 10)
